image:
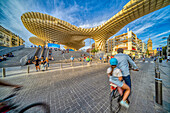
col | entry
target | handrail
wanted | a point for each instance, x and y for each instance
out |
(42, 51)
(24, 59)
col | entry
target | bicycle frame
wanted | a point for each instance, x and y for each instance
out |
(114, 87)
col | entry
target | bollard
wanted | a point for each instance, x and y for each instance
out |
(46, 67)
(157, 74)
(3, 72)
(61, 66)
(158, 90)
(28, 69)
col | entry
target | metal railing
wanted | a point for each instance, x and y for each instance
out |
(28, 70)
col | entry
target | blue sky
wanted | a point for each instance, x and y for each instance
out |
(85, 13)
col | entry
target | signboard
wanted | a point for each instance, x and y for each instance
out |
(159, 49)
(53, 45)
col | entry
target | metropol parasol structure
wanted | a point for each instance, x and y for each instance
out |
(51, 29)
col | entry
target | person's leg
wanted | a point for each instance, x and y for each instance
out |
(127, 91)
(125, 96)
(127, 80)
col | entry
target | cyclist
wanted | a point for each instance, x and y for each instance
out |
(123, 65)
(115, 76)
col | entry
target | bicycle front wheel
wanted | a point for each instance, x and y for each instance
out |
(36, 108)
(115, 99)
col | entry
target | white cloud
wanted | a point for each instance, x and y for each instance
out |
(166, 32)
(140, 29)
(85, 47)
(89, 25)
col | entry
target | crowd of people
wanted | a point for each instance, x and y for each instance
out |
(41, 63)
(4, 57)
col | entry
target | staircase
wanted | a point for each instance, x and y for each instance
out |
(58, 56)
(18, 54)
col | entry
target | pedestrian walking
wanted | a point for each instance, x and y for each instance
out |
(47, 61)
(88, 59)
(42, 62)
(36, 62)
(72, 58)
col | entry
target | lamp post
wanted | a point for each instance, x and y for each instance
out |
(159, 51)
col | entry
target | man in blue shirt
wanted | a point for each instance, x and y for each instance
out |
(123, 64)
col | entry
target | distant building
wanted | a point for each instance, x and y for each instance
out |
(91, 48)
(128, 41)
(9, 39)
(149, 47)
(168, 46)
(144, 47)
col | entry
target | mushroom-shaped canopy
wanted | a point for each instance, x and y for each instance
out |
(37, 41)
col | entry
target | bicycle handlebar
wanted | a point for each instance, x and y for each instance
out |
(133, 69)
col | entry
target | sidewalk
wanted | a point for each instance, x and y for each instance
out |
(165, 76)
(22, 70)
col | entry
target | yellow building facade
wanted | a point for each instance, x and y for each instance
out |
(127, 41)
(9, 39)
(48, 28)
(149, 47)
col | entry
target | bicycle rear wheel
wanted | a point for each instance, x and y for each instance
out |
(115, 98)
(36, 108)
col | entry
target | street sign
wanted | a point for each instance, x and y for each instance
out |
(159, 49)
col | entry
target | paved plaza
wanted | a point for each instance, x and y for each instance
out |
(86, 89)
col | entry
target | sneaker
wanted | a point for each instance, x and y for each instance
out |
(124, 104)
(127, 101)
(36, 70)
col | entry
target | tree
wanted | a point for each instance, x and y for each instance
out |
(93, 51)
(164, 50)
(147, 52)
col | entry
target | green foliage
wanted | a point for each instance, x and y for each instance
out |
(94, 51)
(147, 52)
(164, 50)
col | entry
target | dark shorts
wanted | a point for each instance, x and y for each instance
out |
(36, 64)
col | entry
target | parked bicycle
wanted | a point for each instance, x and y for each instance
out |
(8, 106)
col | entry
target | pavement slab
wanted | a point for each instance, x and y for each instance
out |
(84, 89)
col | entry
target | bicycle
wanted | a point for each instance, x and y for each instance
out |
(10, 107)
(115, 99)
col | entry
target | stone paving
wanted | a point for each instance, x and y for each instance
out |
(84, 90)
(165, 76)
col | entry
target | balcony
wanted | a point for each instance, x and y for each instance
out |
(7, 39)
(1, 37)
